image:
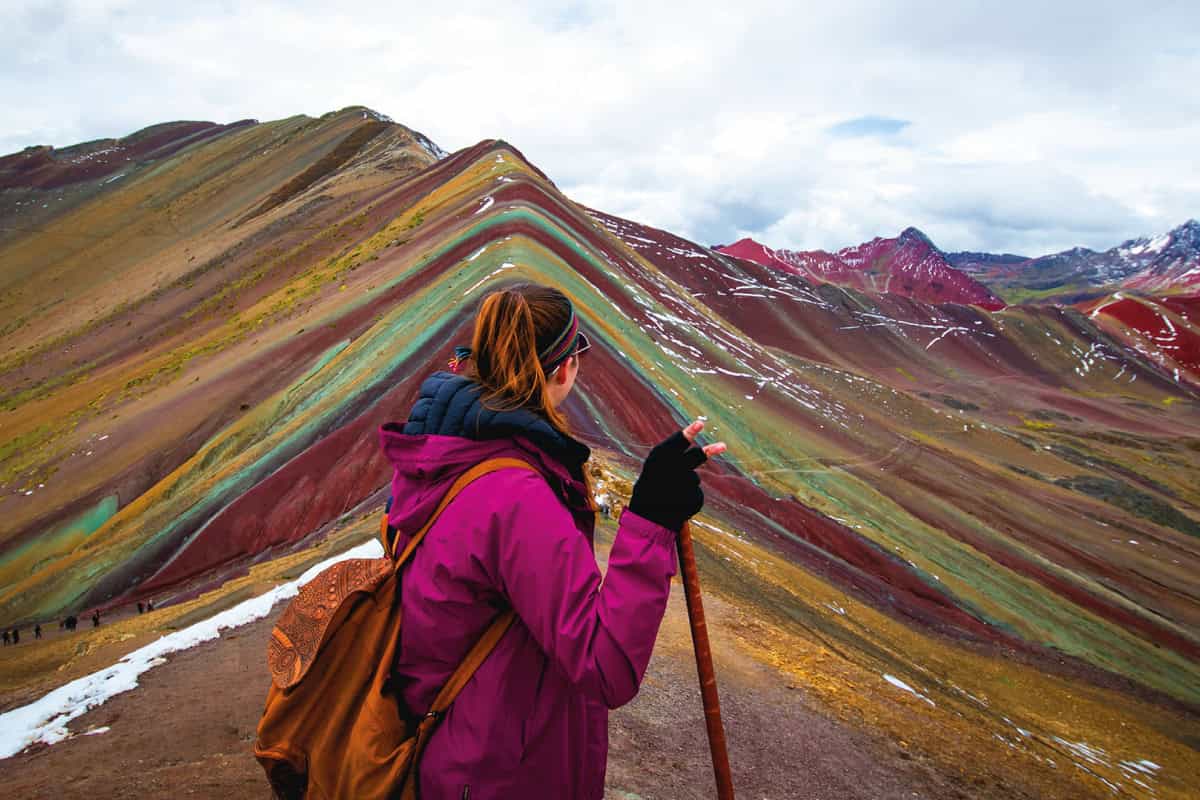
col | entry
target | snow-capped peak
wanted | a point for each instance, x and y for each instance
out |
(1143, 246)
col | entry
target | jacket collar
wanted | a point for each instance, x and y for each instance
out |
(450, 405)
(450, 431)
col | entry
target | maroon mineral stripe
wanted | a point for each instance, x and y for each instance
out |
(851, 562)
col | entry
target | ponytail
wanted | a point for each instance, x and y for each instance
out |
(510, 327)
(506, 361)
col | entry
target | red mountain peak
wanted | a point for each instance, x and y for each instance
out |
(909, 265)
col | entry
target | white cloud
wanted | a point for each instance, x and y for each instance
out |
(1030, 128)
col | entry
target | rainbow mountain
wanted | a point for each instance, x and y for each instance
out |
(975, 529)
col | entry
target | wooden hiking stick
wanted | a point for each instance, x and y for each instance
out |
(704, 665)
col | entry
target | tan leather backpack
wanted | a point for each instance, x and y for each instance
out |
(333, 727)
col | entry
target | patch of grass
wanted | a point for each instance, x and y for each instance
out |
(24, 442)
(1048, 414)
(1127, 498)
(1018, 295)
(1028, 473)
(961, 405)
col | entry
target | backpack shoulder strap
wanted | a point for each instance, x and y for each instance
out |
(474, 657)
(483, 646)
(477, 471)
(454, 684)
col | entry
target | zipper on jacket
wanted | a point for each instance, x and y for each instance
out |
(466, 792)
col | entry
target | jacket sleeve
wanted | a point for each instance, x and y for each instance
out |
(600, 634)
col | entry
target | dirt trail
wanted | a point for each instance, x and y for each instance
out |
(188, 728)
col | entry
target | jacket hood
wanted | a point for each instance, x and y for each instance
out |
(449, 431)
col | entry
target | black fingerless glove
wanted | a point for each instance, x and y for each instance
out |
(668, 491)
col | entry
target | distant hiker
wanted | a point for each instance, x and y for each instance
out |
(95, 619)
(149, 606)
(16, 634)
(6, 636)
(37, 631)
(533, 720)
(72, 621)
(141, 607)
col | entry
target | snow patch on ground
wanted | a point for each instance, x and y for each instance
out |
(899, 684)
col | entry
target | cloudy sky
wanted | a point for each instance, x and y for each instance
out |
(1014, 126)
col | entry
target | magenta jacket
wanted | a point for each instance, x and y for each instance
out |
(533, 721)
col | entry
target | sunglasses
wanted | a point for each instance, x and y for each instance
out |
(582, 345)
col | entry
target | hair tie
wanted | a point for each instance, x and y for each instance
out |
(461, 354)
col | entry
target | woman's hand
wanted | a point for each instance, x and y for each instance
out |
(668, 491)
